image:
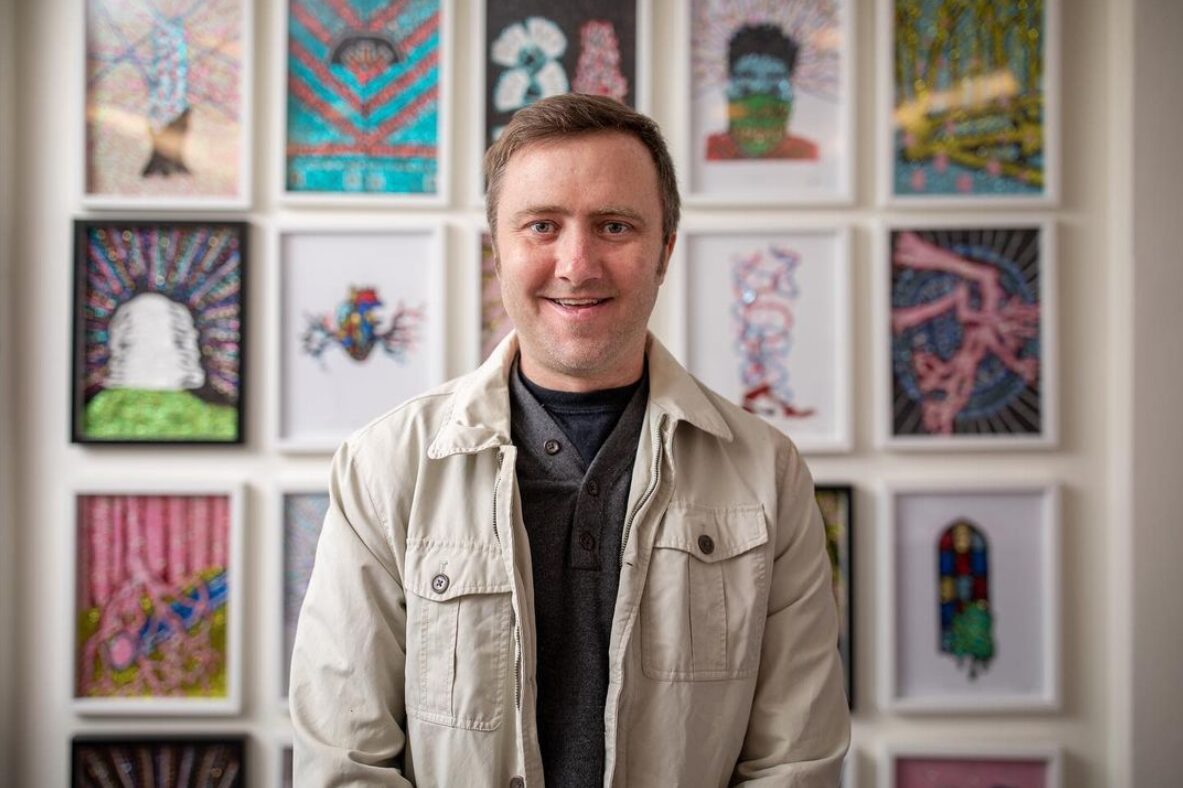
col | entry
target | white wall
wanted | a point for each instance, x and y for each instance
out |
(1157, 495)
(48, 107)
(8, 587)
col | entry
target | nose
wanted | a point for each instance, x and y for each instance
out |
(577, 256)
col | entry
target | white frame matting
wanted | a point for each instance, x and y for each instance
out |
(166, 706)
(1048, 341)
(360, 200)
(238, 201)
(1038, 631)
(432, 337)
(837, 354)
(748, 174)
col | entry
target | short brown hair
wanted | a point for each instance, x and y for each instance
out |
(573, 114)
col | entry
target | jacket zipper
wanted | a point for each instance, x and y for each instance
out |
(655, 478)
(517, 637)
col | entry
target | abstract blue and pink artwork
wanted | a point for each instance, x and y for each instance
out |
(363, 97)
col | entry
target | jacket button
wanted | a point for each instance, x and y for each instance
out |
(706, 544)
(517, 782)
(440, 583)
(587, 541)
(592, 487)
(552, 446)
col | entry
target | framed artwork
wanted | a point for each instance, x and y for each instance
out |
(495, 323)
(967, 351)
(836, 502)
(943, 766)
(366, 110)
(361, 327)
(771, 109)
(167, 104)
(969, 103)
(285, 767)
(765, 321)
(158, 332)
(302, 510)
(534, 49)
(971, 595)
(158, 761)
(158, 609)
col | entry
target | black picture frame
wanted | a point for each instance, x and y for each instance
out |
(200, 269)
(841, 553)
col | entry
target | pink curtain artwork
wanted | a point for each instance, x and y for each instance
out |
(152, 596)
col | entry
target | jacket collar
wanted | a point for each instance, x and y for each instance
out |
(479, 415)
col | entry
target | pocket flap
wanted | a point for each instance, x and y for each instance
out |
(443, 570)
(712, 533)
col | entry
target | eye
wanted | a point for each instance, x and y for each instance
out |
(615, 228)
(542, 226)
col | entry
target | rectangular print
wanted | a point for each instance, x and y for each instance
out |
(155, 608)
(167, 103)
(837, 507)
(766, 326)
(771, 101)
(1017, 769)
(158, 340)
(159, 762)
(970, 111)
(535, 49)
(362, 328)
(971, 350)
(364, 85)
(303, 516)
(974, 578)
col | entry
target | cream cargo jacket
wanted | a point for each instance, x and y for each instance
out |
(414, 657)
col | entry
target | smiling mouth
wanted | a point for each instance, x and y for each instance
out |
(575, 303)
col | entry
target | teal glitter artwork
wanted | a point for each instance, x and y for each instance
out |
(363, 97)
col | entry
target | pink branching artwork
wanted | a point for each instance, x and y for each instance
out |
(765, 291)
(965, 325)
(152, 595)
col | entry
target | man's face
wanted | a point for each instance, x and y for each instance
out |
(580, 257)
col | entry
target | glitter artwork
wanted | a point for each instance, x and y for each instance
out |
(969, 108)
(363, 102)
(164, 114)
(303, 516)
(495, 323)
(966, 332)
(159, 331)
(153, 591)
(176, 762)
(963, 591)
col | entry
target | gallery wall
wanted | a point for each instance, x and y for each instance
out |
(48, 112)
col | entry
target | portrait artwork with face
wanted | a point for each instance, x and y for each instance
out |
(537, 49)
(158, 332)
(769, 88)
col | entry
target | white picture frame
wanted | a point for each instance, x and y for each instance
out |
(1017, 653)
(1048, 756)
(199, 86)
(437, 198)
(887, 190)
(480, 14)
(1003, 410)
(817, 378)
(339, 392)
(814, 168)
(293, 554)
(157, 560)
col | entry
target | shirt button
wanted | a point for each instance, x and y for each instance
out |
(706, 544)
(587, 541)
(517, 782)
(440, 583)
(592, 487)
(551, 446)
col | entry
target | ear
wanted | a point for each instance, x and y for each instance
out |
(667, 252)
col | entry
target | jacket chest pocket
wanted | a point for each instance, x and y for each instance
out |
(458, 634)
(702, 610)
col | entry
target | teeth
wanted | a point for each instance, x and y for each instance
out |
(578, 301)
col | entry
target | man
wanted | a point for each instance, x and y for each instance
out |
(577, 563)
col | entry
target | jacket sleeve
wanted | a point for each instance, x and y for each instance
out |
(346, 690)
(799, 728)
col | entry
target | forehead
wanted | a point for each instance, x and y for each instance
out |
(585, 168)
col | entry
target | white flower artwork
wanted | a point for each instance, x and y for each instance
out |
(530, 52)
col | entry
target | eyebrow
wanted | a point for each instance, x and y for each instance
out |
(610, 210)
